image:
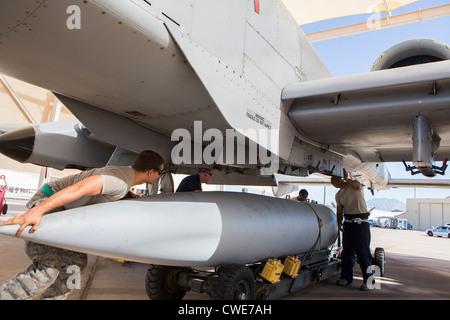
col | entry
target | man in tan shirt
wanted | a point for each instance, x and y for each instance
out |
(47, 277)
(356, 229)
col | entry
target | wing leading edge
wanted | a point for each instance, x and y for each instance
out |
(389, 115)
(283, 180)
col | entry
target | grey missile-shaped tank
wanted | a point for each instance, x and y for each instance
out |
(190, 229)
(54, 144)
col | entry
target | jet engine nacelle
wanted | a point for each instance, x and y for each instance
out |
(425, 140)
(412, 52)
(61, 144)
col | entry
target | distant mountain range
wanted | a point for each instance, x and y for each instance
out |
(386, 204)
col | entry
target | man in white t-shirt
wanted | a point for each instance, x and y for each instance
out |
(47, 276)
(356, 229)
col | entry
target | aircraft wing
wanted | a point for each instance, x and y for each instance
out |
(284, 181)
(419, 183)
(312, 11)
(181, 80)
(390, 115)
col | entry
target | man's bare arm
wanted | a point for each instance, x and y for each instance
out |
(88, 187)
(355, 184)
(340, 216)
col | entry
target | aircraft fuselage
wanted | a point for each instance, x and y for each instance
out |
(163, 64)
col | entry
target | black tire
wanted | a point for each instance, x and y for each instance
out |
(161, 283)
(234, 282)
(379, 260)
(5, 208)
(430, 233)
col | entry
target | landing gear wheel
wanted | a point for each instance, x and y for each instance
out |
(161, 283)
(379, 260)
(234, 282)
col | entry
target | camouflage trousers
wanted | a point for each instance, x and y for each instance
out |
(48, 276)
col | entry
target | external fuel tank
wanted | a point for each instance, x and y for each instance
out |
(190, 229)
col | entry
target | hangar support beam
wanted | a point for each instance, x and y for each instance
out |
(376, 24)
(17, 100)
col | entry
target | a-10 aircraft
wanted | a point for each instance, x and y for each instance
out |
(230, 85)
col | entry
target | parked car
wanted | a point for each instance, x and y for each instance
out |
(441, 231)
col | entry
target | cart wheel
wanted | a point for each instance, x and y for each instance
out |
(161, 283)
(319, 274)
(379, 260)
(5, 208)
(235, 282)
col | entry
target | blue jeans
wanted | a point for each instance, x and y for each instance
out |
(356, 239)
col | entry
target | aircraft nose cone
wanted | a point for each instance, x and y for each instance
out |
(18, 144)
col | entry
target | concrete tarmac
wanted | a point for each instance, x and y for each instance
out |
(417, 268)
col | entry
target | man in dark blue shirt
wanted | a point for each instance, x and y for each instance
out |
(194, 182)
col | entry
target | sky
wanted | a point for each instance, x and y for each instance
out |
(356, 54)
